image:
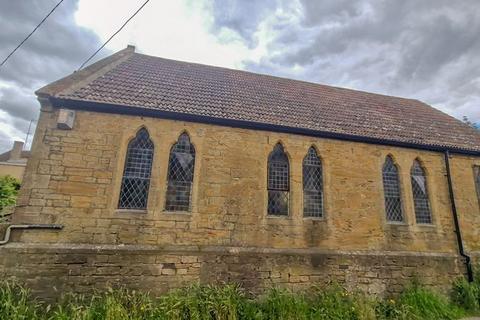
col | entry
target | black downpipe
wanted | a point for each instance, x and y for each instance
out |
(467, 259)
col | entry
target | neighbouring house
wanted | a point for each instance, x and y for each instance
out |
(13, 162)
(164, 173)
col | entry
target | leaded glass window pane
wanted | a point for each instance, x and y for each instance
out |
(312, 185)
(181, 166)
(278, 182)
(136, 173)
(420, 194)
(391, 189)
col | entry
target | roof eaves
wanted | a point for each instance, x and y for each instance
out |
(155, 113)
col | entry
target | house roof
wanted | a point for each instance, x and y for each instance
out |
(7, 155)
(161, 86)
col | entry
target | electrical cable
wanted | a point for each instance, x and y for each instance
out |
(113, 35)
(35, 29)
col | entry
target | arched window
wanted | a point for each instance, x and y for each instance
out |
(420, 194)
(312, 185)
(136, 173)
(278, 182)
(181, 165)
(391, 190)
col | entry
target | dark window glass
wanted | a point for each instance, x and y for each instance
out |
(136, 174)
(420, 194)
(476, 173)
(278, 182)
(312, 185)
(180, 175)
(391, 189)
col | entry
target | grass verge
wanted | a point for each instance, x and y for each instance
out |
(230, 302)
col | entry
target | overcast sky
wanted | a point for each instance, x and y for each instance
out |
(426, 49)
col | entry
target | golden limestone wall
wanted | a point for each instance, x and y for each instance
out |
(468, 205)
(73, 178)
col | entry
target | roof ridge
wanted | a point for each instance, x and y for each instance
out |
(86, 75)
(281, 78)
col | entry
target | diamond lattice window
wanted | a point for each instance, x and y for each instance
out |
(181, 165)
(278, 182)
(476, 173)
(312, 185)
(420, 194)
(391, 190)
(136, 173)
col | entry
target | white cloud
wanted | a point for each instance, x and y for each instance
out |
(418, 50)
(170, 29)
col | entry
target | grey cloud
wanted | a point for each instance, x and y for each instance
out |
(18, 104)
(5, 142)
(420, 49)
(437, 43)
(317, 12)
(55, 50)
(242, 17)
(58, 47)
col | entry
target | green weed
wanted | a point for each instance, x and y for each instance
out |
(231, 302)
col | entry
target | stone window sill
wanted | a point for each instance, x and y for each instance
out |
(134, 211)
(314, 219)
(272, 216)
(186, 213)
(397, 223)
(426, 225)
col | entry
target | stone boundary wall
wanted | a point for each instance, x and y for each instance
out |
(50, 270)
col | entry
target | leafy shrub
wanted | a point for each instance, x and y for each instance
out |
(9, 187)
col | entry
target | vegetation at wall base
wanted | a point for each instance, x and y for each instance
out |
(230, 302)
(467, 294)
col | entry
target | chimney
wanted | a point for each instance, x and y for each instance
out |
(16, 152)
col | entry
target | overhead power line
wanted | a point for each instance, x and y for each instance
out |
(113, 35)
(33, 31)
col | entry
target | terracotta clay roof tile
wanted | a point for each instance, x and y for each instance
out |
(186, 88)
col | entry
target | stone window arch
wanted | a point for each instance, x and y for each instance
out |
(136, 173)
(312, 185)
(391, 191)
(278, 183)
(420, 193)
(181, 166)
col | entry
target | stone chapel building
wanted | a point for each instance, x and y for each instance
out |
(163, 173)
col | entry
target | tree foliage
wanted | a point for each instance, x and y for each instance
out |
(9, 187)
(467, 121)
